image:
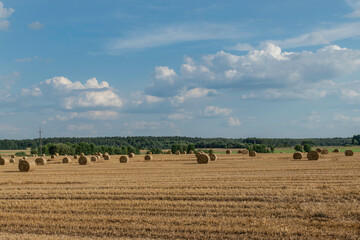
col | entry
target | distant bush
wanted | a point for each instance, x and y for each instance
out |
(20, 154)
(298, 148)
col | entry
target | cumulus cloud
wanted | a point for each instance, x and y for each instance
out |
(36, 25)
(216, 111)
(267, 72)
(4, 14)
(75, 95)
(234, 121)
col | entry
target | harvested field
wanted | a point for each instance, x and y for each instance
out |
(270, 196)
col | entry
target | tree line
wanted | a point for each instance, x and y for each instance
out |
(144, 142)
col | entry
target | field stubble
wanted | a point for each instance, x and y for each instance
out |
(236, 197)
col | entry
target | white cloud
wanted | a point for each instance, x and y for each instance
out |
(216, 111)
(5, 12)
(91, 115)
(267, 73)
(105, 98)
(165, 73)
(81, 127)
(355, 5)
(322, 37)
(36, 25)
(182, 115)
(35, 92)
(234, 121)
(142, 39)
(4, 24)
(191, 94)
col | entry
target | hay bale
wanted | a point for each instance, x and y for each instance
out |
(212, 156)
(324, 151)
(245, 151)
(203, 159)
(252, 154)
(177, 152)
(105, 154)
(131, 155)
(82, 155)
(169, 152)
(106, 157)
(149, 153)
(349, 153)
(228, 151)
(94, 158)
(40, 161)
(43, 155)
(76, 156)
(297, 155)
(83, 160)
(4, 161)
(313, 155)
(191, 152)
(52, 156)
(148, 157)
(12, 156)
(56, 154)
(318, 150)
(183, 152)
(124, 159)
(240, 151)
(26, 166)
(336, 150)
(11, 160)
(66, 160)
(24, 158)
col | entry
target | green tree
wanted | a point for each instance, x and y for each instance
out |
(298, 148)
(307, 147)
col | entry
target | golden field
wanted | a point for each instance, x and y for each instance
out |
(171, 197)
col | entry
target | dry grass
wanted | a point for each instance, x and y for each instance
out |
(172, 197)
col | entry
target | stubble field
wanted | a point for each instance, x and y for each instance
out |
(171, 197)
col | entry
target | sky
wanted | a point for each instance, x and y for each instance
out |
(236, 69)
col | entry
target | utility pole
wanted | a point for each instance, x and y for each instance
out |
(40, 132)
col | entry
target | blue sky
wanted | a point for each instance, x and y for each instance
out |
(191, 68)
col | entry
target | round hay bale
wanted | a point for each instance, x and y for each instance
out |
(11, 160)
(124, 159)
(149, 153)
(4, 161)
(148, 157)
(191, 152)
(76, 156)
(183, 152)
(349, 153)
(336, 150)
(82, 155)
(228, 151)
(106, 157)
(313, 155)
(297, 155)
(169, 152)
(240, 151)
(26, 166)
(177, 152)
(105, 154)
(252, 154)
(131, 155)
(66, 160)
(245, 151)
(56, 154)
(52, 156)
(203, 159)
(324, 151)
(212, 156)
(40, 161)
(24, 158)
(94, 158)
(83, 160)
(43, 155)
(12, 156)
(318, 150)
